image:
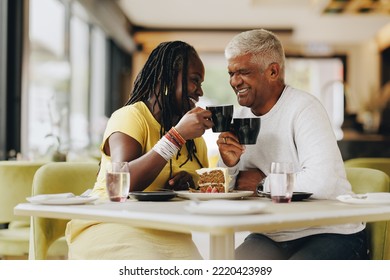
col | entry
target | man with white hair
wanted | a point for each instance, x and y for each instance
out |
(294, 128)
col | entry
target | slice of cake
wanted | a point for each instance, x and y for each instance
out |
(213, 180)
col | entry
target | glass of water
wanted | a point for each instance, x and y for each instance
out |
(281, 181)
(118, 181)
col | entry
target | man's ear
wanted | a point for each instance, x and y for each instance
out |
(274, 69)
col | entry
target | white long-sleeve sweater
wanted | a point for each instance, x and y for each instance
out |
(298, 129)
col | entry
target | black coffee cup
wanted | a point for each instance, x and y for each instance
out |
(222, 116)
(246, 129)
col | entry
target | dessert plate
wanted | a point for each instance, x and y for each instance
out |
(61, 199)
(153, 195)
(209, 196)
(368, 198)
(225, 207)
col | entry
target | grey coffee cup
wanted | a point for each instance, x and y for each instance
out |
(247, 130)
(222, 116)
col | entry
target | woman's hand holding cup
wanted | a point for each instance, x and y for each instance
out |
(194, 123)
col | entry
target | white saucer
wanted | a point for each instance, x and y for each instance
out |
(209, 196)
(61, 199)
(368, 198)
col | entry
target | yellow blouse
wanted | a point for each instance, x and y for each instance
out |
(97, 240)
(137, 121)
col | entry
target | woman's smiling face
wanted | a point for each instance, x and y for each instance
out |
(195, 79)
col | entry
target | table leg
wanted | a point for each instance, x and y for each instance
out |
(31, 251)
(222, 247)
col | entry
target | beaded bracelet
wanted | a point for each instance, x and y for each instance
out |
(173, 140)
(177, 135)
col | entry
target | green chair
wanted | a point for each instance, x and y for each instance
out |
(57, 177)
(382, 164)
(365, 180)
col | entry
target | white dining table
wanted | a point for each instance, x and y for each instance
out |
(172, 215)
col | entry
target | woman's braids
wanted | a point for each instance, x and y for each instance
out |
(159, 77)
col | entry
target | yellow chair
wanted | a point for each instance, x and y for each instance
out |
(15, 185)
(57, 177)
(364, 180)
(382, 164)
(16, 179)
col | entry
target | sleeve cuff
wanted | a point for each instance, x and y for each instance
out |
(232, 171)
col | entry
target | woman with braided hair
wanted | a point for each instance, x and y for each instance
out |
(159, 133)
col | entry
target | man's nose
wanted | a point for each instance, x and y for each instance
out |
(235, 80)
